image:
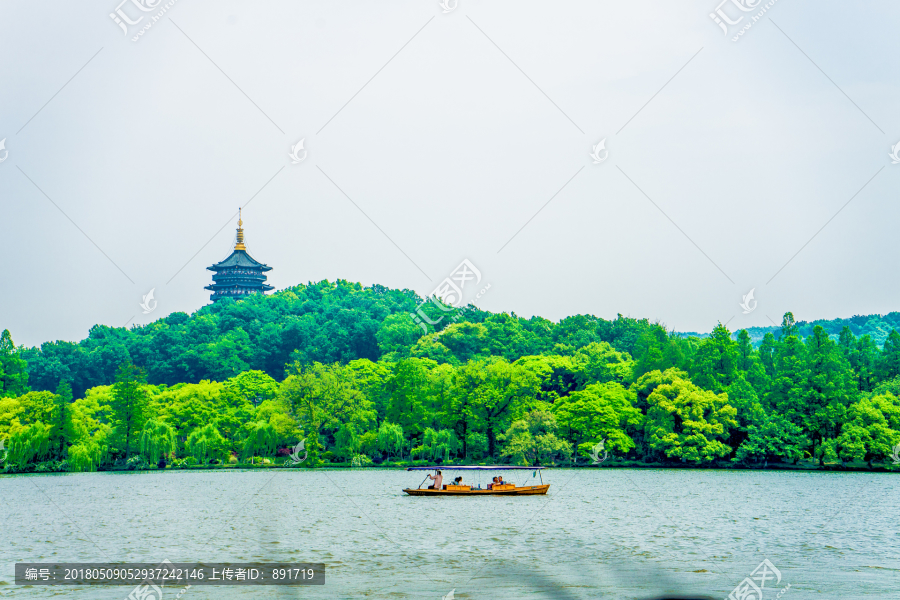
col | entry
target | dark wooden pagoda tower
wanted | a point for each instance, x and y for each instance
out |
(240, 274)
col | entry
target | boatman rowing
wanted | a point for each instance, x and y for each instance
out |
(438, 480)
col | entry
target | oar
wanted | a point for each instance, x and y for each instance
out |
(423, 481)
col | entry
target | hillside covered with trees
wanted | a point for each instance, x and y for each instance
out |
(877, 327)
(348, 372)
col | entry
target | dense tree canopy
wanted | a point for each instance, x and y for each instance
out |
(339, 372)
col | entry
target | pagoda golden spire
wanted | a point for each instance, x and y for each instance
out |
(240, 234)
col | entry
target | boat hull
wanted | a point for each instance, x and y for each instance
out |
(528, 490)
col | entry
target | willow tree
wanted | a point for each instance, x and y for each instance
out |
(29, 443)
(85, 456)
(260, 439)
(157, 440)
(346, 441)
(205, 443)
(390, 438)
(439, 444)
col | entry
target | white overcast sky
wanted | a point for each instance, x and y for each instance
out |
(449, 132)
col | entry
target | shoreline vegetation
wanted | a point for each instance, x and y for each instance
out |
(338, 375)
(802, 466)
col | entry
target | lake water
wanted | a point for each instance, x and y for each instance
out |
(610, 533)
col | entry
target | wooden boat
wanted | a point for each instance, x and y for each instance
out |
(505, 489)
(465, 490)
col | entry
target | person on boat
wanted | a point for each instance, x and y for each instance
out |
(500, 480)
(458, 481)
(438, 480)
(493, 483)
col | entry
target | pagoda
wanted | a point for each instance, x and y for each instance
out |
(240, 274)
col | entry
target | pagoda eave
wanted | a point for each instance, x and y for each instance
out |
(239, 275)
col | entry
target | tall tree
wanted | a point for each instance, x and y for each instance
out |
(468, 380)
(128, 403)
(830, 389)
(408, 387)
(656, 350)
(13, 368)
(743, 397)
(61, 435)
(866, 363)
(750, 362)
(508, 390)
(716, 361)
(790, 377)
(889, 365)
(847, 343)
(767, 354)
(789, 326)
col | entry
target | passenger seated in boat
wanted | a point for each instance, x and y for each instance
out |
(491, 485)
(458, 481)
(438, 480)
(500, 480)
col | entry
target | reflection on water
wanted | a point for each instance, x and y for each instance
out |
(610, 533)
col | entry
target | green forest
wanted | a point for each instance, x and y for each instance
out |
(334, 373)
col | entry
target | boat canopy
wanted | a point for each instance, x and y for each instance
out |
(474, 468)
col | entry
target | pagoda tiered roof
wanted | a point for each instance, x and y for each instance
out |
(240, 274)
(239, 258)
